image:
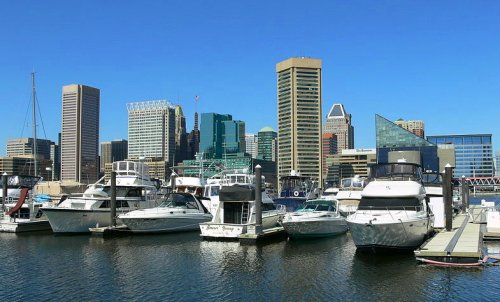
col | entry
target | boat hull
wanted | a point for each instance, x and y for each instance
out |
(64, 220)
(315, 227)
(368, 232)
(23, 225)
(233, 231)
(164, 224)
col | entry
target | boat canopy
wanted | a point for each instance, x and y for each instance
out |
(237, 193)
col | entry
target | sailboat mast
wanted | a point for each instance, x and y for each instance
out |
(33, 96)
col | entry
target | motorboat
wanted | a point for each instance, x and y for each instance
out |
(178, 212)
(134, 190)
(295, 190)
(225, 178)
(22, 211)
(315, 218)
(236, 213)
(348, 195)
(393, 212)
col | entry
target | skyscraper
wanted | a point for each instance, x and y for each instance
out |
(267, 144)
(212, 134)
(416, 127)
(299, 117)
(80, 133)
(329, 148)
(113, 151)
(338, 122)
(151, 130)
(193, 146)
(181, 139)
(251, 144)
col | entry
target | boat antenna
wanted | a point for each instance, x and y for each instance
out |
(33, 99)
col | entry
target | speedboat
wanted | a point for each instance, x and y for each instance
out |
(178, 212)
(315, 218)
(295, 190)
(134, 190)
(236, 213)
(393, 212)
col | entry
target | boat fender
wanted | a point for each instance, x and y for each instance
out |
(296, 193)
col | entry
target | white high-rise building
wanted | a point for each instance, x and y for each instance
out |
(80, 134)
(251, 144)
(151, 130)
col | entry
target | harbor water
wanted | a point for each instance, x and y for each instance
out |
(182, 267)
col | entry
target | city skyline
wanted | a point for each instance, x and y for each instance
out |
(405, 60)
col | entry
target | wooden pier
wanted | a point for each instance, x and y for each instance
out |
(462, 245)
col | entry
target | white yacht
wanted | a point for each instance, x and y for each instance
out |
(225, 178)
(315, 218)
(236, 212)
(178, 212)
(134, 190)
(348, 195)
(393, 211)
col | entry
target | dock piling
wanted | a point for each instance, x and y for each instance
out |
(465, 194)
(113, 198)
(447, 195)
(4, 190)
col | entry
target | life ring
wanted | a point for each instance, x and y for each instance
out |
(296, 193)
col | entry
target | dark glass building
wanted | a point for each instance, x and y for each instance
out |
(391, 137)
(220, 135)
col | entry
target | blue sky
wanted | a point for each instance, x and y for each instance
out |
(438, 61)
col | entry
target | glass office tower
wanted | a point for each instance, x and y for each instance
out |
(473, 153)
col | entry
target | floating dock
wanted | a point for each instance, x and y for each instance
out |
(276, 233)
(462, 246)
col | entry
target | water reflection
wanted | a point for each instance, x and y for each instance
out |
(182, 267)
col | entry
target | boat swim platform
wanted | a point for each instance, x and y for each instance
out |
(111, 231)
(463, 244)
(265, 235)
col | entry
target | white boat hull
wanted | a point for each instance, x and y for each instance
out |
(64, 220)
(9, 225)
(316, 227)
(158, 224)
(231, 230)
(370, 231)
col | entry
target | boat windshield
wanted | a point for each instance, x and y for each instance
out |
(352, 183)
(184, 201)
(396, 171)
(397, 203)
(315, 207)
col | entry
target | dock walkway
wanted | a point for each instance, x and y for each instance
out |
(463, 244)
